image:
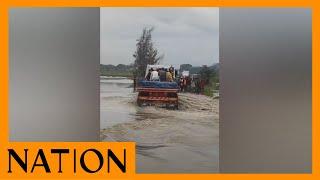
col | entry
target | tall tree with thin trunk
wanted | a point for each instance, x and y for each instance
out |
(145, 53)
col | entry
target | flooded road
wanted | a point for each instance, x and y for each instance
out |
(115, 101)
(167, 141)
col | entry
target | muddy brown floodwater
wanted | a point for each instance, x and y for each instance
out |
(167, 141)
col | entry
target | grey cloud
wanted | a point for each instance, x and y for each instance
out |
(183, 35)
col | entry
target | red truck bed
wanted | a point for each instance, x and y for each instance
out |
(151, 96)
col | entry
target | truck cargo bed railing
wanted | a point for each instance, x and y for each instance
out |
(157, 90)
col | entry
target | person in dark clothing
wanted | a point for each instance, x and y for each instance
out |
(149, 74)
(162, 74)
(188, 84)
(197, 83)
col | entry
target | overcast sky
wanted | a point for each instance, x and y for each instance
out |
(183, 35)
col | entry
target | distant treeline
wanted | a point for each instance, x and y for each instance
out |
(127, 70)
(118, 70)
(197, 69)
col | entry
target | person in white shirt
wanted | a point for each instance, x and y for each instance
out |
(154, 75)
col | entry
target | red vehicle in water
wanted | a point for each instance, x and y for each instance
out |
(158, 92)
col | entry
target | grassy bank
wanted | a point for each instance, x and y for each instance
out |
(213, 85)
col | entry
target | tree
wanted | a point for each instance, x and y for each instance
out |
(145, 53)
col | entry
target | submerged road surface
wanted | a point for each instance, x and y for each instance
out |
(168, 141)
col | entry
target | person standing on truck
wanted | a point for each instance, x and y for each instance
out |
(171, 70)
(154, 75)
(169, 76)
(162, 74)
(148, 75)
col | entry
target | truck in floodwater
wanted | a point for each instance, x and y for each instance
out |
(158, 90)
